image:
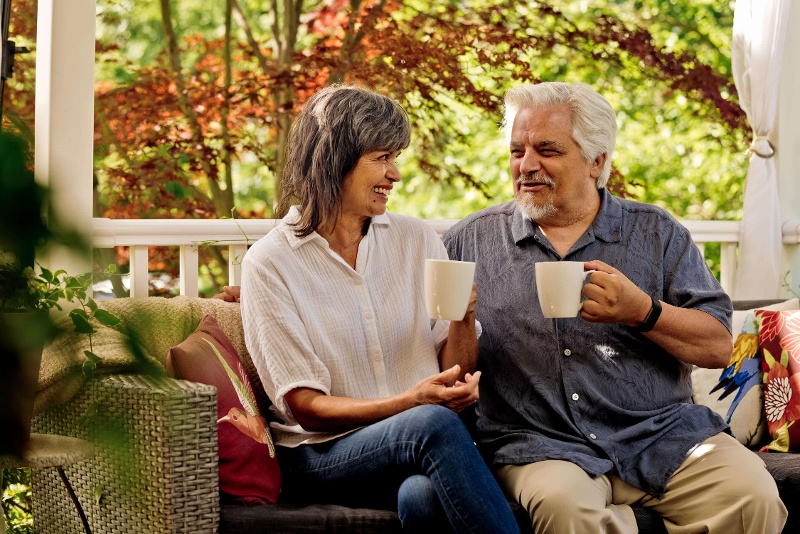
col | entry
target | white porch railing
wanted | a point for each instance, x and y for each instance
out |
(190, 235)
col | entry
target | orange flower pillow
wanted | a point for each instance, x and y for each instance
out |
(779, 341)
(249, 472)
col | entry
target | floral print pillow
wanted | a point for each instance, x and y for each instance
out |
(737, 394)
(779, 340)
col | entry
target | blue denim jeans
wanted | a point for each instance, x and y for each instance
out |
(421, 462)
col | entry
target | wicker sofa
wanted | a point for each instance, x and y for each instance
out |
(156, 464)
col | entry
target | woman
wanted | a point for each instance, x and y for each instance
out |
(366, 388)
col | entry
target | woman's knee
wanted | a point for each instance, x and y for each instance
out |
(439, 420)
(419, 507)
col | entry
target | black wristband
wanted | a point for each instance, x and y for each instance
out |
(652, 317)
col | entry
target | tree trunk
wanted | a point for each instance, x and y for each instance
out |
(173, 55)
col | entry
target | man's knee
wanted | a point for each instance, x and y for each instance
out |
(553, 488)
(762, 507)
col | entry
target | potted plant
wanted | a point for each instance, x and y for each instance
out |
(29, 292)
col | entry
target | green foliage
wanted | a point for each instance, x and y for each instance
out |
(17, 499)
(173, 121)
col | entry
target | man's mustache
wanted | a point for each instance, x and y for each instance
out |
(536, 176)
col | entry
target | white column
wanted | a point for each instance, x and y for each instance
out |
(787, 142)
(65, 119)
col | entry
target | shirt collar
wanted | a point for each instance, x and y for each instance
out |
(294, 215)
(607, 226)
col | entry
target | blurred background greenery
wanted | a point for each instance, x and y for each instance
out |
(194, 100)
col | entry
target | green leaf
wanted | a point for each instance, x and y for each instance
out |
(47, 275)
(81, 323)
(79, 311)
(106, 318)
(785, 358)
(89, 414)
(92, 305)
(91, 356)
(98, 494)
(88, 369)
(768, 358)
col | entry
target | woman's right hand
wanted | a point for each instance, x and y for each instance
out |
(318, 412)
(459, 395)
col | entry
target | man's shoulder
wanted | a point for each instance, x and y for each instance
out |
(492, 214)
(642, 208)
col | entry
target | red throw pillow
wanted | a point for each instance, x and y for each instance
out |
(779, 342)
(248, 469)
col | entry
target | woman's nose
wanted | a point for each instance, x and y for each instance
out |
(393, 173)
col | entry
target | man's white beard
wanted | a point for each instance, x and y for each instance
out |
(526, 203)
(535, 211)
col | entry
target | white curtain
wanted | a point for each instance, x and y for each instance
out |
(759, 31)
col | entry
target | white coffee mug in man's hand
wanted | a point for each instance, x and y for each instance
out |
(560, 286)
(448, 287)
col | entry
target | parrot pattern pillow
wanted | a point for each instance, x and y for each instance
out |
(737, 394)
(249, 472)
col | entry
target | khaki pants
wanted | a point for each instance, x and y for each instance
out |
(722, 487)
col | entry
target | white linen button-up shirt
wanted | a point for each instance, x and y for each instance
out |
(312, 321)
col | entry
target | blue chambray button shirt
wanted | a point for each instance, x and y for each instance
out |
(599, 395)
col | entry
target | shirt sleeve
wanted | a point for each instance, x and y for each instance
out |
(689, 282)
(276, 337)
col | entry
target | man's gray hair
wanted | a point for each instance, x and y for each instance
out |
(594, 124)
(336, 127)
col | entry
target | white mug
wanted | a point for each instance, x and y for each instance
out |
(448, 286)
(560, 284)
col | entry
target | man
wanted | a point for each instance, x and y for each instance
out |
(583, 417)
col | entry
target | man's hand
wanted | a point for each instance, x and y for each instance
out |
(473, 304)
(612, 298)
(229, 294)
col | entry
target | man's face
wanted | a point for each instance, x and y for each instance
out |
(552, 181)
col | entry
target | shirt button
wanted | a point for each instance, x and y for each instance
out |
(567, 352)
(368, 316)
(592, 436)
(575, 396)
(359, 281)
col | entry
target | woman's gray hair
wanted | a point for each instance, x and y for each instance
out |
(336, 127)
(594, 124)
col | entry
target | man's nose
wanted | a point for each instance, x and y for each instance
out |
(530, 162)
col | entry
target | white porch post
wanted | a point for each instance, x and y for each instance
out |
(787, 153)
(65, 118)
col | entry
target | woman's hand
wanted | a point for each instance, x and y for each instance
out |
(316, 411)
(435, 389)
(229, 294)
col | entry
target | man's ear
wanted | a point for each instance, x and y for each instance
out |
(597, 166)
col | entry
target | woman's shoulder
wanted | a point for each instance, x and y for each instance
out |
(275, 244)
(406, 224)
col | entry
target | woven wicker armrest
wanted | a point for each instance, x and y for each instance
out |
(156, 464)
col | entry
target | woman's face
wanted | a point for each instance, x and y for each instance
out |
(366, 188)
